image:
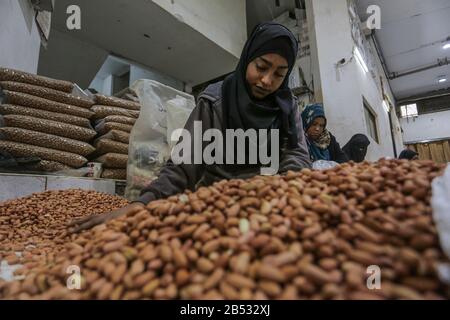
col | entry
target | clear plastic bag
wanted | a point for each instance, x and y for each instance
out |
(440, 202)
(324, 165)
(149, 148)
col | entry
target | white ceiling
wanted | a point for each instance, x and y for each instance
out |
(118, 27)
(411, 36)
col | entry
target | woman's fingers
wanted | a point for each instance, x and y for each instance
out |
(95, 220)
(80, 221)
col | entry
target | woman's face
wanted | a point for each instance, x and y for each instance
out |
(265, 74)
(316, 128)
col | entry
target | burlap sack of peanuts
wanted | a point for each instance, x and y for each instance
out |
(103, 128)
(47, 140)
(104, 111)
(25, 150)
(6, 109)
(117, 135)
(27, 100)
(24, 77)
(120, 119)
(47, 93)
(116, 102)
(103, 146)
(116, 174)
(113, 160)
(50, 127)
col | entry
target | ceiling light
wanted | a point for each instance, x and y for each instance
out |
(446, 46)
(360, 59)
(442, 79)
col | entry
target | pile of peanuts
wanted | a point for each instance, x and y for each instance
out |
(304, 235)
(37, 224)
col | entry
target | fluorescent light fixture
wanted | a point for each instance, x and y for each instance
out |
(360, 60)
(386, 106)
(446, 46)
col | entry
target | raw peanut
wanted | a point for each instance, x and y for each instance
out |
(228, 291)
(269, 272)
(149, 288)
(282, 259)
(362, 257)
(211, 246)
(165, 252)
(314, 273)
(112, 246)
(105, 291)
(311, 231)
(266, 207)
(182, 277)
(180, 258)
(205, 265)
(142, 279)
(241, 263)
(214, 279)
(136, 268)
(118, 273)
(271, 288)
(239, 281)
(328, 264)
(366, 233)
(233, 210)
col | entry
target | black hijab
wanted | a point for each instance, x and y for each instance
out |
(241, 110)
(408, 154)
(356, 148)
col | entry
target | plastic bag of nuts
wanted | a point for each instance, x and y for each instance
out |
(24, 77)
(116, 102)
(116, 174)
(120, 119)
(25, 150)
(113, 160)
(50, 127)
(49, 166)
(104, 111)
(27, 100)
(47, 93)
(105, 127)
(117, 135)
(6, 109)
(46, 140)
(103, 146)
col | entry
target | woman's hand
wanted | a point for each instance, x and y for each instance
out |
(91, 221)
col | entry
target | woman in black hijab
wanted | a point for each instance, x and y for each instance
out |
(255, 96)
(356, 148)
(409, 155)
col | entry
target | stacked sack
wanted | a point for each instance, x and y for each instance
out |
(114, 119)
(41, 118)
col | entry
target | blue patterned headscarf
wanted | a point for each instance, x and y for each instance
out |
(317, 149)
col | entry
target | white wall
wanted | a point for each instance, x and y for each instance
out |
(19, 36)
(223, 22)
(343, 96)
(103, 81)
(426, 127)
(69, 58)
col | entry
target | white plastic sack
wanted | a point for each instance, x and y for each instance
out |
(440, 203)
(163, 109)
